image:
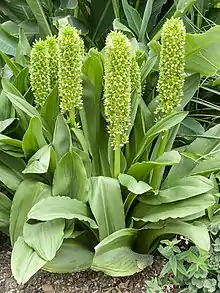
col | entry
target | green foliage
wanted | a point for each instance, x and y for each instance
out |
(60, 203)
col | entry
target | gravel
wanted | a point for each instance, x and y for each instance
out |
(83, 282)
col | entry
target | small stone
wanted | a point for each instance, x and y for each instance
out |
(10, 283)
(47, 288)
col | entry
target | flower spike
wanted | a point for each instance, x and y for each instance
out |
(171, 67)
(39, 76)
(70, 57)
(117, 91)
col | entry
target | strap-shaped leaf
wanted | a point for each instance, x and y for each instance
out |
(61, 207)
(25, 262)
(114, 255)
(45, 238)
(106, 204)
(72, 257)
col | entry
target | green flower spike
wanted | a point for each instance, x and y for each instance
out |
(53, 59)
(117, 91)
(70, 57)
(171, 67)
(39, 73)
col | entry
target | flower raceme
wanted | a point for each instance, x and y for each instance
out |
(39, 75)
(52, 48)
(117, 91)
(70, 58)
(171, 67)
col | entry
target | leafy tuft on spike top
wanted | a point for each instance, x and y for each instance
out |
(70, 57)
(171, 67)
(53, 59)
(117, 91)
(39, 73)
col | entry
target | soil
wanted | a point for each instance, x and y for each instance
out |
(83, 282)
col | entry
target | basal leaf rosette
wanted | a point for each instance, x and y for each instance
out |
(171, 67)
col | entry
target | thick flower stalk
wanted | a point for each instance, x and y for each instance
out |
(171, 67)
(117, 91)
(53, 59)
(70, 58)
(39, 73)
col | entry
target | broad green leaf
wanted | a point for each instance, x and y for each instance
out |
(72, 257)
(25, 262)
(6, 108)
(20, 81)
(11, 64)
(162, 125)
(33, 139)
(181, 189)
(196, 232)
(190, 127)
(68, 4)
(202, 52)
(45, 238)
(9, 176)
(105, 201)
(5, 208)
(61, 207)
(117, 25)
(178, 209)
(28, 193)
(102, 16)
(11, 146)
(90, 114)
(207, 166)
(191, 85)
(184, 5)
(132, 184)
(8, 43)
(61, 137)
(141, 170)
(50, 109)
(204, 146)
(145, 20)
(38, 11)
(70, 178)
(133, 17)
(39, 162)
(156, 9)
(114, 255)
(20, 103)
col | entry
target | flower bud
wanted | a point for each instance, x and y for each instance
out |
(70, 57)
(171, 67)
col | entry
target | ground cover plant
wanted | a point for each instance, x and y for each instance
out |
(94, 170)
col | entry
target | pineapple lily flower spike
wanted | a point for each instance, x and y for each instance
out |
(171, 67)
(70, 61)
(117, 91)
(39, 73)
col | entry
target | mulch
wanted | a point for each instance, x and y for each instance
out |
(83, 282)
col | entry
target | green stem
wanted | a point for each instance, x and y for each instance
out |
(116, 8)
(157, 176)
(117, 159)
